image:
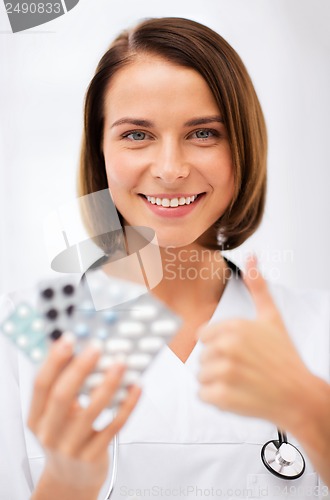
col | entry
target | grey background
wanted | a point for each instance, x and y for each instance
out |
(45, 71)
(22, 19)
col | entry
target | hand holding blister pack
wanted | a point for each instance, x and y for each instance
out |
(132, 332)
(107, 303)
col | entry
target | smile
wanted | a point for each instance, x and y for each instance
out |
(171, 202)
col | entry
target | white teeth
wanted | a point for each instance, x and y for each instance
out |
(173, 202)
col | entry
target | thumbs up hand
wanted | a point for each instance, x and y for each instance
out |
(251, 367)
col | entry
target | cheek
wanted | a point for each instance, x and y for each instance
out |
(123, 168)
(218, 169)
(119, 173)
(226, 169)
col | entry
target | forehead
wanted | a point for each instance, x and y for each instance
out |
(152, 82)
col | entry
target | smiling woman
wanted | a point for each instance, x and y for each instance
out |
(173, 128)
(166, 160)
(174, 72)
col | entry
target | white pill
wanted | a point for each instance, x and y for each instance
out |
(131, 377)
(164, 327)
(120, 357)
(37, 325)
(144, 312)
(138, 361)
(118, 345)
(150, 344)
(23, 311)
(96, 344)
(105, 362)
(9, 328)
(131, 328)
(94, 380)
(69, 337)
(37, 354)
(22, 340)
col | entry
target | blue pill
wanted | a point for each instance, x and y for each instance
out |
(102, 333)
(109, 316)
(81, 330)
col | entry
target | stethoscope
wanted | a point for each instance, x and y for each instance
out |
(279, 457)
(282, 458)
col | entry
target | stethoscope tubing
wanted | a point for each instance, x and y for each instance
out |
(114, 464)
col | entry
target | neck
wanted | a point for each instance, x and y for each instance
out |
(194, 277)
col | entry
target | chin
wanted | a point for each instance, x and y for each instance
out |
(177, 241)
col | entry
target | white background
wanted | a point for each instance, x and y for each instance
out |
(45, 71)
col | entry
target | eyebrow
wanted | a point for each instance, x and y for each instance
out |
(138, 122)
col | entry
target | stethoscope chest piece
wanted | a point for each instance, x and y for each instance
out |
(283, 459)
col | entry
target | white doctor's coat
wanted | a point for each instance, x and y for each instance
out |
(174, 445)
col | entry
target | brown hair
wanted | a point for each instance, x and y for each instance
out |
(193, 45)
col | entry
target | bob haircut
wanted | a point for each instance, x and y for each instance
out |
(192, 45)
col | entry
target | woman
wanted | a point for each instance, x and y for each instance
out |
(174, 128)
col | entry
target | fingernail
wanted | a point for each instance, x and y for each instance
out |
(117, 369)
(93, 346)
(68, 338)
(252, 258)
(65, 342)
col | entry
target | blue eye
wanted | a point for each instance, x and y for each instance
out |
(136, 136)
(204, 133)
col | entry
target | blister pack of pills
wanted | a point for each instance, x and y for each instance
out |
(132, 331)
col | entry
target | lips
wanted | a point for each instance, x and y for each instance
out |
(171, 201)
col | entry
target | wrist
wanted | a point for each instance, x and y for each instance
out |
(311, 425)
(49, 488)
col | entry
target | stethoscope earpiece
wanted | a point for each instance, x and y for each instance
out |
(283, 459)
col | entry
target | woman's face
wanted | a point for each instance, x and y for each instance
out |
(167, 156)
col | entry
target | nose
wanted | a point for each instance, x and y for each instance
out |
(170, 163)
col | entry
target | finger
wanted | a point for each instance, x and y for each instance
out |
(230, 371)
(216, 348)
(242, 400)
(262, 298)
(103, 394)
(99, 442)
(215, 393)
(206, 332)
(221, 370)
(226, 398)
(209, 333)
(64, 393)
(59, 356)
(82, 429)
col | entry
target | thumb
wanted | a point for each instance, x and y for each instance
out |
(262, 298)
